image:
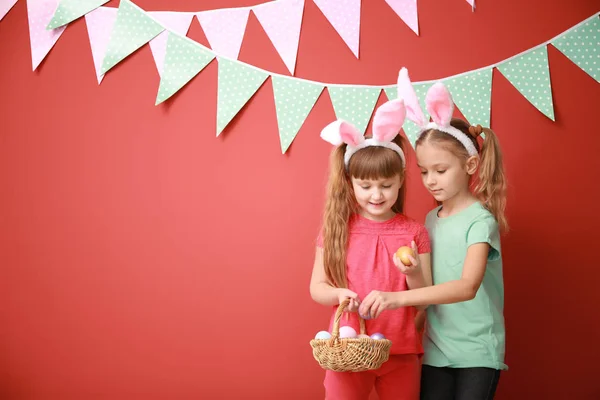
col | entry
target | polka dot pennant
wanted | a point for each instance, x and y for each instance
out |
(237, 83)
(354, 104)
(582, 46)
(184, 59)
(293, 101)
(224, 29)
(344, 16)
(99, 25)
(281, 21)
(133, 28)
(472, 93)
(70, 10)
(39, 13)
(5, 6)
(530, 75)
(410, 128)
(407, 11)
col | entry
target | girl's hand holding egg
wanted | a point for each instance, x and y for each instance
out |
(407, 259)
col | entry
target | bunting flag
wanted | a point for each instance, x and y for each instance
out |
(133, 29)
(472, 4)
(582, 46)
(176, 22)
(530, 75)
(410, 128)
(184, 59)
(5, 6)
(225, 29)
(237, 83)
(39, 13)
(70, 10)
(281, 21)
(99, 25)
(294, 99)
(354, 104)
(407, 11)
(344, 16)
(472, 94)
(116, 33)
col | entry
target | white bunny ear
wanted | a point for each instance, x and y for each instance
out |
(340, 131)
(388, 120)
(439, 104)
(407, 93)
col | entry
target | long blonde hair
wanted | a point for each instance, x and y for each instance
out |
(490, 187)
(369, 163)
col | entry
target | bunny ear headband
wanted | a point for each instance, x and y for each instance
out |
(440, 106)
(387, 121)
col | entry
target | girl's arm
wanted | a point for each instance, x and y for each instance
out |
(421, 277)
(462, 289)
(323, 292)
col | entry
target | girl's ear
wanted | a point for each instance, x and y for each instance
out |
(472, 164)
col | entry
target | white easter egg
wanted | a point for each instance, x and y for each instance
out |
(323, 335)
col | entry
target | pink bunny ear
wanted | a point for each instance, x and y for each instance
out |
(388, 120)
(340, 131)
(407, 93)
(439, 104)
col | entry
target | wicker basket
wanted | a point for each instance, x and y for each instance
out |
(350, 355)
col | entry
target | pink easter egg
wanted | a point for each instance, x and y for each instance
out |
(377, 336)
(347, 332)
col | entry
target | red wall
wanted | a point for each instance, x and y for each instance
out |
(141, 257)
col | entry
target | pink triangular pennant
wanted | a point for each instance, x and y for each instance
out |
(407, 11)
(176, 22)
(5, 6)
(100, 23)
(282, 20)
(344, 16)
(472, 3)
(39, 14)
(225, 29)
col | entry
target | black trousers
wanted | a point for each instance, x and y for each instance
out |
(458, 383)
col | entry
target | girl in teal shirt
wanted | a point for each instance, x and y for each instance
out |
(464, 340)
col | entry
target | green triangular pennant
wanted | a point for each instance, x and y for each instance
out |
(133, 29)
(530, 75)
(582, 46)
(237, 84)
(294, 99)
(391, 92)
(354, 104)
(472, 94)
(184, 59)
(69, 10)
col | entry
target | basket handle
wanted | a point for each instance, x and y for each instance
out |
(338, 317)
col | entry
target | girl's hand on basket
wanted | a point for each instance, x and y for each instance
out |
(376, 302)
(344, 294)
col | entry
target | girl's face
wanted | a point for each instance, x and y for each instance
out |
(376, 197)
(444, 174)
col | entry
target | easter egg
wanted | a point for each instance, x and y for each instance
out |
(363, 336)
(403, 252)
(323, 335)
(377, 336)
(347, 332)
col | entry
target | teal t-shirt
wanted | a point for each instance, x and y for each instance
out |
(470, 333)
